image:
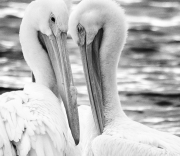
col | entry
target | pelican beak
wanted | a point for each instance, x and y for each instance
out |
(58, 54)
(92, 69)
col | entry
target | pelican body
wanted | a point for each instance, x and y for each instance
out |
(99, 28)
(34, 120)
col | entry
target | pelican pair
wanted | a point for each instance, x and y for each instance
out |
(99, 28)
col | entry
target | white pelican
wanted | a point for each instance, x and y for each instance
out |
(99, 28)
(34, 118)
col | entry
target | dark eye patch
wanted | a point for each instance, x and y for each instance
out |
(53, 19)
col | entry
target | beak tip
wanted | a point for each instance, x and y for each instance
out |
(76, 141)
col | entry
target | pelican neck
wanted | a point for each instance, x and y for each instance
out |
(36, 57)
(114, 36)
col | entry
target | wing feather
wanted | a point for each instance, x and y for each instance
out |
(6, 148)
(109, 145)
(34, 121)
(39, 146)
(42, 129)
(48, 148)
(24, 145)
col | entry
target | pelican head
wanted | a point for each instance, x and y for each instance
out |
(48, 16)
(43, 35)
(99, 28)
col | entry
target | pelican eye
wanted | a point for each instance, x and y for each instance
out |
(81, 34)
(80, 28)
(53, 19)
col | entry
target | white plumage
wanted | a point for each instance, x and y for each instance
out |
(121, 136)
(35, 121)
(6, 148)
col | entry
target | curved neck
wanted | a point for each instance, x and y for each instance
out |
(112, 44)
(36, 57)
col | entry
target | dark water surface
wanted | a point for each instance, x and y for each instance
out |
(149, 68)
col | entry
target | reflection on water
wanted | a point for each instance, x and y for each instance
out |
(149, 69)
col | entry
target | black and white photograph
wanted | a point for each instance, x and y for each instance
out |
(89, 77)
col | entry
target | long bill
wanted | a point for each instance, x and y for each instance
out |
(58, 54)
(92, 69)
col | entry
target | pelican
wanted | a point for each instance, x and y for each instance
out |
(34, 120)
(99, 28)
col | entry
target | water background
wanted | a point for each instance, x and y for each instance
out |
(149, 68)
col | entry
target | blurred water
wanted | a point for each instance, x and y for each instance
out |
(149, 68)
